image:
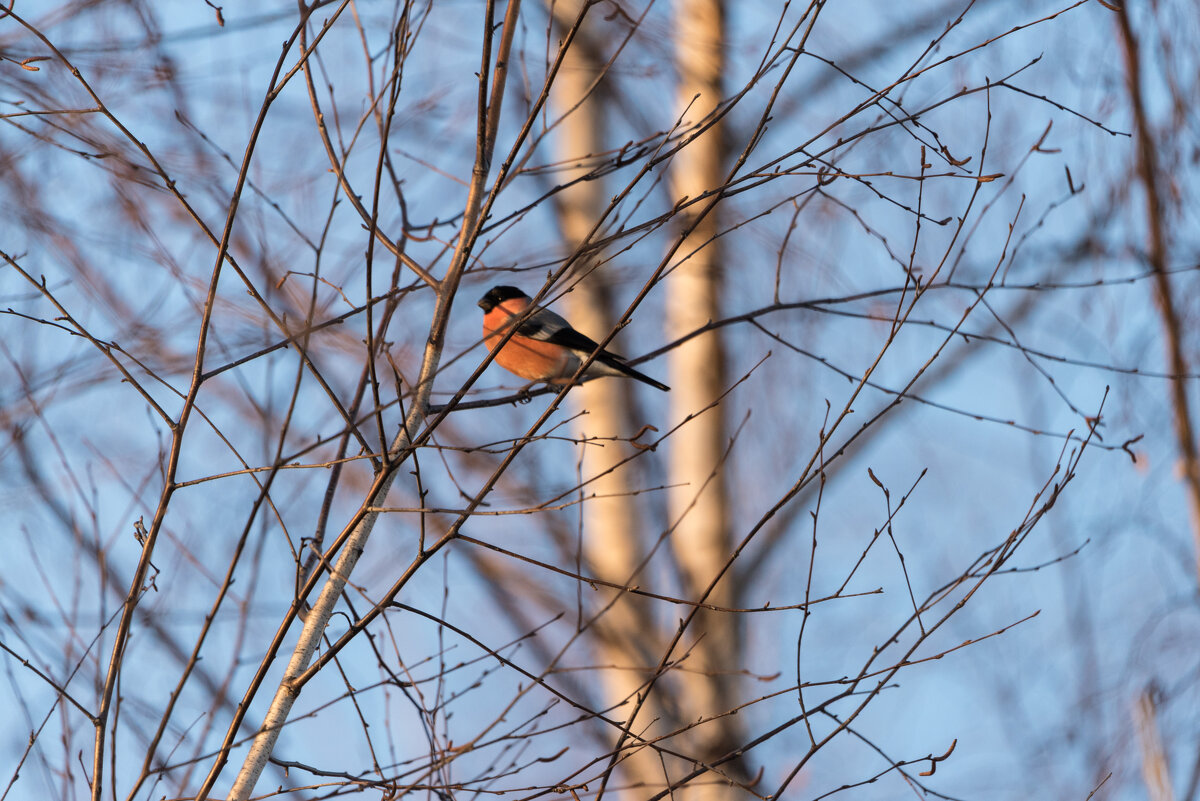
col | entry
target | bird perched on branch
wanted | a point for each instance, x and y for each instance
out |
(545, 347)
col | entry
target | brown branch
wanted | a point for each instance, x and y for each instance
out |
(1148, 173)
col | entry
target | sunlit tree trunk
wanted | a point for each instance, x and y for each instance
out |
(1155, 771)
(698, 496)
(611, 525)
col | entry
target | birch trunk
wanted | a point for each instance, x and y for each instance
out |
(698, 499)
(611, 525)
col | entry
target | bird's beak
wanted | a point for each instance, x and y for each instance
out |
(483, 304)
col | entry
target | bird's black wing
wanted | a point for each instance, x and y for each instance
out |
(550, 327)
(570, 338)
(547, 326)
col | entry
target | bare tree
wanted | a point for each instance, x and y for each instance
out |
(276, 525)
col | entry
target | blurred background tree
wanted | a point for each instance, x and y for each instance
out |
(919, 515)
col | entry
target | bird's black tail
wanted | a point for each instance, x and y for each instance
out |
(622, 367)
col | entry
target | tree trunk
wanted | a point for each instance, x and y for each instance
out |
(698, 501)
(611, 526)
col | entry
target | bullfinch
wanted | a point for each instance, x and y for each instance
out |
(545, 347)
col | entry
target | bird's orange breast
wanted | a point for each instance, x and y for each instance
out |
(531, 359)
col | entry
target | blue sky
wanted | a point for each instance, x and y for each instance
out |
(1044, 705)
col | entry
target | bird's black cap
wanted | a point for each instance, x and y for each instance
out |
(497, 295)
